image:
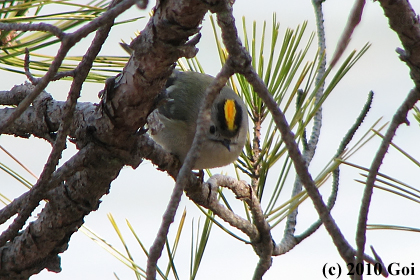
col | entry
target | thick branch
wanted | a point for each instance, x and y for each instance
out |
(37, 246)
(405, 22)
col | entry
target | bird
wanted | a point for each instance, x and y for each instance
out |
(173, 123)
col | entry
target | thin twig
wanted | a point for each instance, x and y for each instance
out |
(142, 4)
(239, 59)
(182, 179)
(206, 197)
(63, 74)
(34, 80)
(261, 240)
(353, 21)
(68, 41)
(404, 21)
(28, 73)
(399, 118)
(309, 150)
(287, 136)
(45, 27)
(41, 85)
(343, 145)
(243, 192)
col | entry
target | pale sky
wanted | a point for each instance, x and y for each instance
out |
(140, 195)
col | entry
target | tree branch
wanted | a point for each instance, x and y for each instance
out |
(67, 41)
(41, 187)
(45, 27)
(70, 167)
(15, 95)
(69, 203)
(353, 21)
(288, 241)
(239, 59)
(343, 145)
(127, 101)
(399, 118)
(182, 179)
(34, 80)
(242, 192)
(405, 23)
(240, 62)
(37, 246)
(260, 235)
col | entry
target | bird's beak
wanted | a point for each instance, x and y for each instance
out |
(226, 143)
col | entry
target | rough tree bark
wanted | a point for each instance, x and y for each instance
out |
(105, 133)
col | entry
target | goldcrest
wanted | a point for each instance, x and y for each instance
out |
(173, 123)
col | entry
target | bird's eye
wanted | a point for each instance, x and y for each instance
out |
(212, 129)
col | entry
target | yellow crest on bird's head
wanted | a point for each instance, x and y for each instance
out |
(230, 114)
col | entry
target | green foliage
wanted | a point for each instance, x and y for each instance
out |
(290, 77)
(67, 16)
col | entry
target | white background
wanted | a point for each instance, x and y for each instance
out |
(140, 195)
